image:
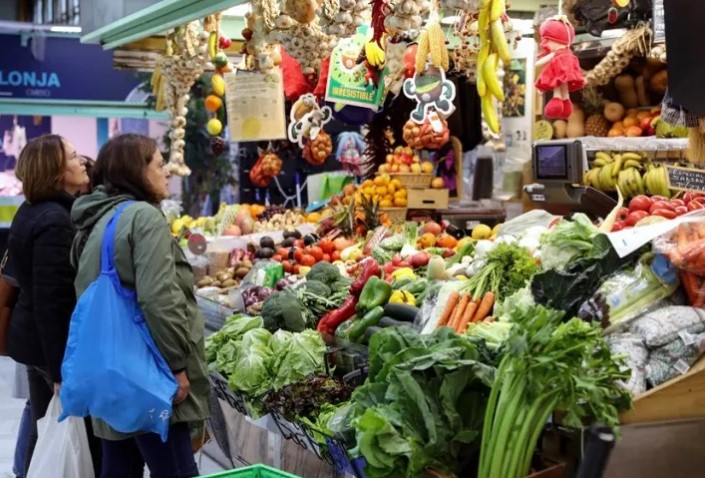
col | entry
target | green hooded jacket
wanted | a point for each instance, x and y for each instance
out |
(148, 260)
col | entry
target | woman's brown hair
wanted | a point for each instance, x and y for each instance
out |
(121, 166)
(40, 168)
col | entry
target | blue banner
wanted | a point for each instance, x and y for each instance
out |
(66, 69)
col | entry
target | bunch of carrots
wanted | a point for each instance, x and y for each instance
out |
(686, 250)
(463, 308)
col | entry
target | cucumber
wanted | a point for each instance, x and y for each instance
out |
(402, 312)
(389, 322)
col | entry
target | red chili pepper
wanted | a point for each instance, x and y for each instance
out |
(370, 268)
(330, 322)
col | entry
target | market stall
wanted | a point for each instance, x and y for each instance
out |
(372, 308)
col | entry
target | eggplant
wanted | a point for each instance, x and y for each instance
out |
(267, 241)
(369, 332)
(264, 253)
(288, 242)
(401, 312)
(292, 233)
(389, 322)
(311, 239)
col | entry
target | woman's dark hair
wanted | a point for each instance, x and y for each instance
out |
(41, 167)
(122, 164)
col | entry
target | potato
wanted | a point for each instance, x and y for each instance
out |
(230, 283)
(205, 282)
(241, 272)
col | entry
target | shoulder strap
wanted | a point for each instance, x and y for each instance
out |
(107, 252)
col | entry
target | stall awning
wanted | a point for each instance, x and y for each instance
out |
(155, 19)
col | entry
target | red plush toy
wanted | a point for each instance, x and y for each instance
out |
(561, 71)
(295, 83)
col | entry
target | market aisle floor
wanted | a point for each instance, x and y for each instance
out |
(11, 410)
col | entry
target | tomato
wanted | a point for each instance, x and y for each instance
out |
(687, 197)
(680, 210)
(327, 245)
(284, 252)
(660, 205)
(696, 204)
(635, 217)
(326, 257)
(288, 266)
(658, 198)
(335, 256)
(298, 254)
(618, 226)
(667, 213)
(299, 243)
(307, 260)
(296, 269)
(316, 252)
(640, 203)
(622, 214)
(277, 257)
(677, 202)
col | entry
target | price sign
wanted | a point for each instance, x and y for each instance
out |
(686, 179)
(197, 244)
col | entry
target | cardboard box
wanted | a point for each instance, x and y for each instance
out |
(428, 198)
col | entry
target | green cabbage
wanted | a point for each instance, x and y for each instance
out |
(250, 373)
(302, 356)
(254, 337)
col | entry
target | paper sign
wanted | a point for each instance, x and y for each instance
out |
(349, 81)
(255, 105)
(627, 241)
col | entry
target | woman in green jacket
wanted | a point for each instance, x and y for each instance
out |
(147, 259)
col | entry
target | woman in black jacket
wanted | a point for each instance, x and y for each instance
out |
(41, 235)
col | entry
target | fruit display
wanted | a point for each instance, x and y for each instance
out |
(383, 189)
(278, 218)
(405, 160)
(632, 172)
(644, 210)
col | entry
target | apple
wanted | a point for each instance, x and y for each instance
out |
(382, 168)
(645, 125)
(415, 168)
(427, 167)
(394, 168)
(398, 150)
(408, 151)
(403, 168)
(224, 42)
(417, 159)
(390, 158)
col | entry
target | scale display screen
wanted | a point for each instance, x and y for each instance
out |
(551, 161)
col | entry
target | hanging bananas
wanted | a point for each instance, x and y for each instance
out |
(493, 47)
(374, 54)
(432, 42)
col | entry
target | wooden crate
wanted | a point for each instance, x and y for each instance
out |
(678, 399)
(428, 198)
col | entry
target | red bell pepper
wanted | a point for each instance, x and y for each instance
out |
(369, 268)
(330, 322)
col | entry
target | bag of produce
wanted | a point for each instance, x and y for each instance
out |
(627, 294)
(685, 245)
(674, 358)
(664, 325)
(264, 273)
(632, 348)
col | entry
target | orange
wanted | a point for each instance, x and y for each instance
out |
(213, 103)
(400, 202)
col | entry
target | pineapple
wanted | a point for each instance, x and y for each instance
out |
(595, 124)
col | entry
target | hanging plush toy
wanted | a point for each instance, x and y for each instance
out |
(561, 72)
(351, 145)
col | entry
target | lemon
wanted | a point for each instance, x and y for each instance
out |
(214, 127)
(177, 226)
(481, 231)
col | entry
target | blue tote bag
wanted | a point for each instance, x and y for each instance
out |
(112, 369)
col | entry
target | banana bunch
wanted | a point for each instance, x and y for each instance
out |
(493, 47)
(432, 41)
(656, 181)
(625, 170)
(374, 54)
(157, 84)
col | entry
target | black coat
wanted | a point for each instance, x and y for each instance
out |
(40, 245)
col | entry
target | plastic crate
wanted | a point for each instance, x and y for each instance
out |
(255, 471)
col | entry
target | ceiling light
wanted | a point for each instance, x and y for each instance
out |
(238, 10)
(65, 29)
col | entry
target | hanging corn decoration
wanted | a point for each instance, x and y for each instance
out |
(493, 47)
(432, 42)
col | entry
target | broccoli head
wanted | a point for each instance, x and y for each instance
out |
(341, 285)
(282, 310)
(317, 287)
(323, 272)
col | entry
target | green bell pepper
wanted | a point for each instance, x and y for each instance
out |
(343, 329)
(376, 293)
(370, 319)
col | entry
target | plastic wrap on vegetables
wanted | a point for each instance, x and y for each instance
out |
(632, 348)
(664, 325)
(627, 294)
(674, 358)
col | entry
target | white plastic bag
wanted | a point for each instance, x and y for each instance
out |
(62, 448)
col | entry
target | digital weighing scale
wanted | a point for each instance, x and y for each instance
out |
(557, 167)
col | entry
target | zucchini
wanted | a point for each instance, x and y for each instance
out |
(402, 312)
(389, 322)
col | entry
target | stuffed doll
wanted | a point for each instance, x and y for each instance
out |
(561, 72)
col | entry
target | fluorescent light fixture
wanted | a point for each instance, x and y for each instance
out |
(65, 29)
(238, 10)
(523, 26)
(616, 33)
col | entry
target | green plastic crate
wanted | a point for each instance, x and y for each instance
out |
(255, 471)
